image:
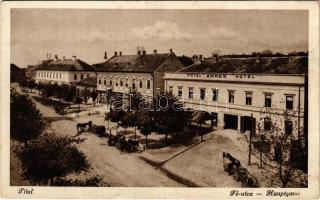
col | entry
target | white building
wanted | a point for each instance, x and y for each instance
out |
(232, 98)
(63, 71)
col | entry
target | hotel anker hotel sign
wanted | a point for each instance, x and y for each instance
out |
(220, 75)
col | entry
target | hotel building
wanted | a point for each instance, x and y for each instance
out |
(232, 90)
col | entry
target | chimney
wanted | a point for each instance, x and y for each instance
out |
(105, 55)
(74, 57)
(139, 53)
(63, 57)
(155, 52)
(171, 51)
(144, 52)
(120, 53)
(115, 53)
(200, 57)
(56, 57)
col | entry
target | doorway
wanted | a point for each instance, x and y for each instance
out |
(247, 124)
(230, 121)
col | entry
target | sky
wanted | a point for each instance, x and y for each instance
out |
(88, 33)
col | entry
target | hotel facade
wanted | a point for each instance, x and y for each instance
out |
(233, 98)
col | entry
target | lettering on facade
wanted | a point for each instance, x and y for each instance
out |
(221, 75)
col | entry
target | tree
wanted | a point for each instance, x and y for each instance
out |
(31, 84)
(69, 93)
(39, 86)
(86, 94)
(169, 116)
(116, 116)
(107, 117)
(129, 120)
(49, 157)
(283, 140)
(145, 124)
(78, 101)
(94, 96)
(26, 122)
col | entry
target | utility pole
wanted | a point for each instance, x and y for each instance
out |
(250, 138)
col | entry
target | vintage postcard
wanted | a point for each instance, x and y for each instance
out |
(179, 100)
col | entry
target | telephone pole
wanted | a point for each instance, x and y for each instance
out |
(250, 138)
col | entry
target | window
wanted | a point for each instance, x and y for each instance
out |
(121, 83)
(126, 82)
(140, 83)
(99, 81)
(133, 84)
(110, 82)
(267, 101)
(249, 98)
(289, 102)
(75, 77)
(179, 91)
(81, 77)
(267, 124)
(288, 127)
(170, 89)
(60, 76)
(148, 84)
(105, 82)
(215, 93)
(56, 75)
(202, 93)
(190, 93)
(231, 96)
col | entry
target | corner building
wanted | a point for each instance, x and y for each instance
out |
(232, 91)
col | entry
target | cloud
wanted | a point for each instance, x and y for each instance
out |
(221, 33)
(163, 31)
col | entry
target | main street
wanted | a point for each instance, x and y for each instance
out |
(199, 164)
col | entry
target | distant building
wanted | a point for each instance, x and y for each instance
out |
(89, 84)
(141, 72)
(17, 74)
(231, 90)
(63, 71)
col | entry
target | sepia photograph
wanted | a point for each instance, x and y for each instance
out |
(161, 98)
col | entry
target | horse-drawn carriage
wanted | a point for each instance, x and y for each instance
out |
(234, 168)
(90, 127)
(122, 144)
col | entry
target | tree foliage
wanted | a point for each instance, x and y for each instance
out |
(169, 115)
(50, 156)
(145, 124)
(26, 122)
(284, 144)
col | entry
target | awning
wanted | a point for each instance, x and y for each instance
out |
(200, 116)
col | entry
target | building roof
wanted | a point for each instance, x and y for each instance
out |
(272, 65)
(88, 82)
(65, 65)
(133, 63)
(185, 60)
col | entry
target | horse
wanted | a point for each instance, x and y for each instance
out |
(81, 126)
